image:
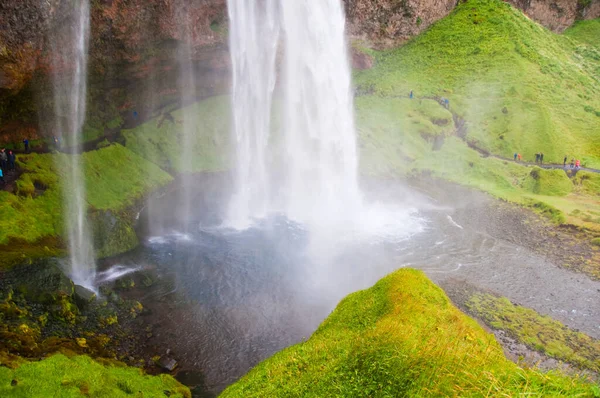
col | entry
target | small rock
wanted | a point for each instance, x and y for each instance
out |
(83, 296)
(167, 363)
(168, 351)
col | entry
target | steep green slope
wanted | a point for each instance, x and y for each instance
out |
(402, 337)
(587, 32)
(59, 376)
(520, 87)
(32, 218)
(159, 140)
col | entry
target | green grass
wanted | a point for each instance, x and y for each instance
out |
(402, 337)
(115, 179)
(548, 182)
(587, 32)
(538, 332)
(59, 376)
(520, 87)
(159, 140)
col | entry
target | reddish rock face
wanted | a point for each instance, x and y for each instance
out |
(386, 23)
(360, 60)
(134, 45)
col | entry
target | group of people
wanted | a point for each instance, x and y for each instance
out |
(7, 163)
(575, 163)
(539, 158)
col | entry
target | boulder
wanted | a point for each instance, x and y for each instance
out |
(83, 296)
(43, 282)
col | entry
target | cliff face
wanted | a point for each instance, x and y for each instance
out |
(385, 23)
(135, 48)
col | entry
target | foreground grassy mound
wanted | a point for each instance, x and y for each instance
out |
(160, 139)
(59, 376)
(520, 87)
(31, 219)
(402, 337)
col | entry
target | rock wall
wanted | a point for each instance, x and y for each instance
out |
(134, 49)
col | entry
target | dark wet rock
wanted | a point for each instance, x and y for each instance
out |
(43, 282)
(167, 363)
(83, 296)
(360, 60)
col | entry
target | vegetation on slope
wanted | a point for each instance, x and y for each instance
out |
(160, 140)
(538, 332)
(115, 178)
(402, 337)
(513, 86)
(61, 376)
(520, 87)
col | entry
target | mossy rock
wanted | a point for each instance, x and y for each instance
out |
(43, 282)
(548, 182)
(588, 182)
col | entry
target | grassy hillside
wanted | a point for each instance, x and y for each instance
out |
(517, 87)
(520, 87)
(59, 376)
(160, 139)
(402, 337)
(115, 178)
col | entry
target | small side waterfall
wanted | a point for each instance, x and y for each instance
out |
(70, 50)
(254, 36)
(187, 88)
(317, 159)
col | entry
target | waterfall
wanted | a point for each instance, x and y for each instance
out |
(254, 34)
(316, 166)
(188, 126)
(69, 44)
(320, 183)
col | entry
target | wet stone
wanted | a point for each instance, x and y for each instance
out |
(83, 296)
(167, 363)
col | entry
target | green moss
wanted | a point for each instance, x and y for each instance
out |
(588, 182)
(548, 182)
(538, 332)
(159, 140)
(80, 375)
(116, 179)
(402, 337)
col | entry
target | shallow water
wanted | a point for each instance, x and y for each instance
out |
(251, 293)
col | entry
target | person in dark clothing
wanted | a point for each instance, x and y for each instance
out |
(26, 143)
(565, 161)
(11, 160)
(537, 157)
(3, 159)
(541, 157)
(2, 182)
(515, 156)
(411, 94)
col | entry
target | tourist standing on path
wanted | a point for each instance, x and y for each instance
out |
(572, 162)
(565, 161)
(541, 158)
(577, 164)
(515, 156)
(410, 95)
(2, 182)
(26, 143)
(537, 157)
(519, 156)
(11, 160)
(3, 159)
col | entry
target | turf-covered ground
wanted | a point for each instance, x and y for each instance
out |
(402, 337)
